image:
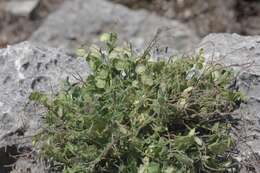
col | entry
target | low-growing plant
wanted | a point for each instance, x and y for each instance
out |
(136, 115)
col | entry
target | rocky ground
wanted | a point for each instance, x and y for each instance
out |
(138, 27)
(15, 28)
(34, 65)
(239, 16)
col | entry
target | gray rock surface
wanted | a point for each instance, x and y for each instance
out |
(79, 22)
(22, 8)
(25, 68)
(235, 50)
(208, 16)
(239, 16)
(243, 54)
(202, 16)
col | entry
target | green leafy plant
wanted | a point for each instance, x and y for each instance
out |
(136, 115)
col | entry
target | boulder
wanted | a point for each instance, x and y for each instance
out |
(25, 68)
(208, 16)
(22, 8)
(202, 16)
(243, 54)
(80, 22)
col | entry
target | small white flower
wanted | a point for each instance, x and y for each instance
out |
(123, 73)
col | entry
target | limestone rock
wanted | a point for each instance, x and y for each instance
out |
(206, 16)
(25, 68)
(233, 49)
(80, 22)
(22, 8)
(202, 16)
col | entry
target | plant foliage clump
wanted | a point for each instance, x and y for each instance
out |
(136, 115)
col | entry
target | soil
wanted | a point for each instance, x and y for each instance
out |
(14, 29)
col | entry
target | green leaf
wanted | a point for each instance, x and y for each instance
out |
(103, 74)
(191, 133)
(183, 158)
(94, 53)
(135, 83)
(215, 128)
(121, 65)
(198, 141)
(154, 168)
(147, 80)
(100, 83)
(105, 37)
(219, 147)
(140, 68)
(170, 170)
(183, 143)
